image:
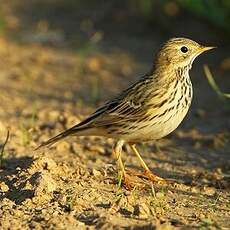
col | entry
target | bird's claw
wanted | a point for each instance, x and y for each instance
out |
(147, 174)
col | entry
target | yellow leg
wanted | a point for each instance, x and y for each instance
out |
(139, 157)
(147, 173)
(117, 149)
(120, 165)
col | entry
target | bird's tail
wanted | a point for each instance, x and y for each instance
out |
(60, 136)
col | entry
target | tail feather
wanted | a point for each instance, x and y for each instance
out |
(83, 128)
(60, 136)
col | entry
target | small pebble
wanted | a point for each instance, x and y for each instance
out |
(210, 191)
(4, 187)
(63, 146)
(97, 148)
(96, 173)
(142, 211)
(76, 148)
(43, 183)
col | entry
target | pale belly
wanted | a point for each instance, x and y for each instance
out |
(158, 130)
(163, 125)
(160, 121)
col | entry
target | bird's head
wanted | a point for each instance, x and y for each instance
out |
(180, 52)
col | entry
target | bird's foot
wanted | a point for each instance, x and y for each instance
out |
(147, 174)
(130, 182)
(154, 178)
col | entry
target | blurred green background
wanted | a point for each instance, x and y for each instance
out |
(217, 12)
(23, 14)
(135, 27)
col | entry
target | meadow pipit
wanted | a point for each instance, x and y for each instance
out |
(149, 109)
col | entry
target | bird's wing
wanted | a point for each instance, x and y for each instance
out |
(121, 111)
(113, 112)
(126, 107)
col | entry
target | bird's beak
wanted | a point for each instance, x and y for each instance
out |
(206, 48)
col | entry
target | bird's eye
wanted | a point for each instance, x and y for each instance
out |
(184, 49)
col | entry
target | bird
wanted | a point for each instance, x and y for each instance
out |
(149, 109)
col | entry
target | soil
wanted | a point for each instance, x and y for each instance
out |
(48, 83)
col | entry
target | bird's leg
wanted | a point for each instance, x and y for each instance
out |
(120, 165)
(117, 150)
(147, 173)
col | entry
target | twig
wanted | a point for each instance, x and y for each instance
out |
(3, 147)
(213, 83)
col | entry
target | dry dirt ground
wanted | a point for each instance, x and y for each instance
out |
(73, 185)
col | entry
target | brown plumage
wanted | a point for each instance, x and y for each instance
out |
(149, 109)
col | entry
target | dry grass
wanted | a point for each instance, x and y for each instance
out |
(213, 84)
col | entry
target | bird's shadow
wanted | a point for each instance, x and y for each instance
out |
(10, 168)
